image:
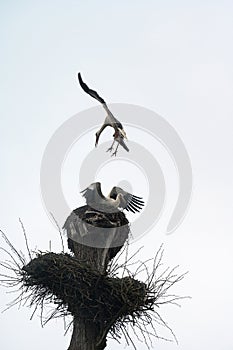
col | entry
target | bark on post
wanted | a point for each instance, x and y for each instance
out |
(86, 336)
(108, 233)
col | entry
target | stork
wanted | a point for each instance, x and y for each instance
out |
(119, 134)
(118, 199)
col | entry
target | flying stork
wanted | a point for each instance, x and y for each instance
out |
(118, 199)
(119, 134)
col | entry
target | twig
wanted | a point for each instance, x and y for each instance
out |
(25, 237)
(59, 230)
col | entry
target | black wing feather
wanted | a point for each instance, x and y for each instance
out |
(137, 206)
(89, 91)
(133, 203)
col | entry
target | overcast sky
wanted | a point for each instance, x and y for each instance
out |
(173, 57)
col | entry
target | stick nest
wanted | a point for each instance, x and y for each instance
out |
(82, 291)
(93, 228)
(112, 302)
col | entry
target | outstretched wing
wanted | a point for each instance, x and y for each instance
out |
(96, 200)
(90, 92)
(93, 193)
(130, 202)
(88, 194)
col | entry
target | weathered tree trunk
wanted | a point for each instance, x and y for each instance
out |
(86, 336)
(91, 335)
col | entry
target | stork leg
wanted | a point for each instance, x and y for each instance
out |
(115, 152)
(110, 148)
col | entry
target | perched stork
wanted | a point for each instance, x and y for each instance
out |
(119, 134)
(118, 199)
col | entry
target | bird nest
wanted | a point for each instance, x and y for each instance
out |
(113, 300)
(82, 291)
(93, 228)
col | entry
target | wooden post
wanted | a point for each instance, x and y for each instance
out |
(83, 225)
(86, 336)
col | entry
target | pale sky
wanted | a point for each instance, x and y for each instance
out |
(173, 57)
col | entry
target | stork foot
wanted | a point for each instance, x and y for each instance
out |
(109, 149)
(114, 154)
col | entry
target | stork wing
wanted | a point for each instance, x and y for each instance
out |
(93, 193)
(90, 92)
(87, 194)
(130, 202)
